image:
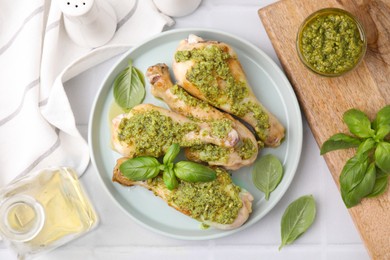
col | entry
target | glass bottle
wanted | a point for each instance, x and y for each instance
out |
(43, 210)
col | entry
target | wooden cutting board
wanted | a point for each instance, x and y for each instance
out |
(324, 100)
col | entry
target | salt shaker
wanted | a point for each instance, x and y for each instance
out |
(177, 8)
(43, 210)
(89, 23)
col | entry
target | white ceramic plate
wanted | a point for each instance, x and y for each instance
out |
(269, 85)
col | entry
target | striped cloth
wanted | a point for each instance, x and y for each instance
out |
(37, 126)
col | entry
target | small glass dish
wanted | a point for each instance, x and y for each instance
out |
(331, 42)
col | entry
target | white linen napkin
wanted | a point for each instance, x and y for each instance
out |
(37, 126)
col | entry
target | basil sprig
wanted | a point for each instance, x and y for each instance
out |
(129, 87)
(366, 174)
(146, 167)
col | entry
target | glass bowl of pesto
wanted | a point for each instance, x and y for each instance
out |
(331, 42)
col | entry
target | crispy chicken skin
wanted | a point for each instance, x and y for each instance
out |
(183, 103)
(225, 88)
(150, 125)
(209, 210)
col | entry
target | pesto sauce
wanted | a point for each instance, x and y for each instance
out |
(188, 99)
(144, 128)
(221, 127)
(262, 120)
(331, 43)
(216, 201)
(211, 152)
(210, 66)
(247, 150)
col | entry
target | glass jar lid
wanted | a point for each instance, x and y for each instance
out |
(21, 218)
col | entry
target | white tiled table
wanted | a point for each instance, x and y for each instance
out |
(332, 236)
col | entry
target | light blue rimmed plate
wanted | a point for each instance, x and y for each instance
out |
(269, 84)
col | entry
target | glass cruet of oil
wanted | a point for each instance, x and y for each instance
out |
(43, 210)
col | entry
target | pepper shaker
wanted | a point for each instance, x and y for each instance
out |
(89, 23)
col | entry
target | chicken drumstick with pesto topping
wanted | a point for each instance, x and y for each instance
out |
(211, 71)
(149, 130)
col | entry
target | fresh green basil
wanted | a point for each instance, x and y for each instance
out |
(358, 123)
(382, 156)
(381, 183)
(366, 147)
(339, 141)
(353, 173)
(171, 154)
(129, 87)
(362, 175)
(382, 132)
(382, 118)
(353, 196)
(140, 168)
(297, 218)
(146, 167)
(170, 179)
(267, 174)
(194, 172)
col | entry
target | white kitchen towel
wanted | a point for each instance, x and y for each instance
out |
(37, 126)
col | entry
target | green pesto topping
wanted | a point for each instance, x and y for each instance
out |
(210, 67)
(204, 226)
(188, 99)
(247, 149)
(144, 128)
(331, 43)
(216, 201)
(214, 153)
(262, 119)
(211, 152)
(221, 128)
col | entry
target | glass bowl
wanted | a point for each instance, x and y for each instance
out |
(331, 42)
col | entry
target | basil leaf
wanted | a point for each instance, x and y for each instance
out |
(339, 141)
(353, 173)
(129, 87)
(382, 132)
(382, 156)
(382, 118)
(140, 76)
(170, 179)
(366, 146)
(297, 218)
(381, 183)
(194, 172)
(354, 196)
(267, 174)
(140, 168)
(171, 154)
(358, 123)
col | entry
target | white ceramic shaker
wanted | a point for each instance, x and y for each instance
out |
(177, 8)
(89, 23)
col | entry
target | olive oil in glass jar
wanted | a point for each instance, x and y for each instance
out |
(44, 210)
